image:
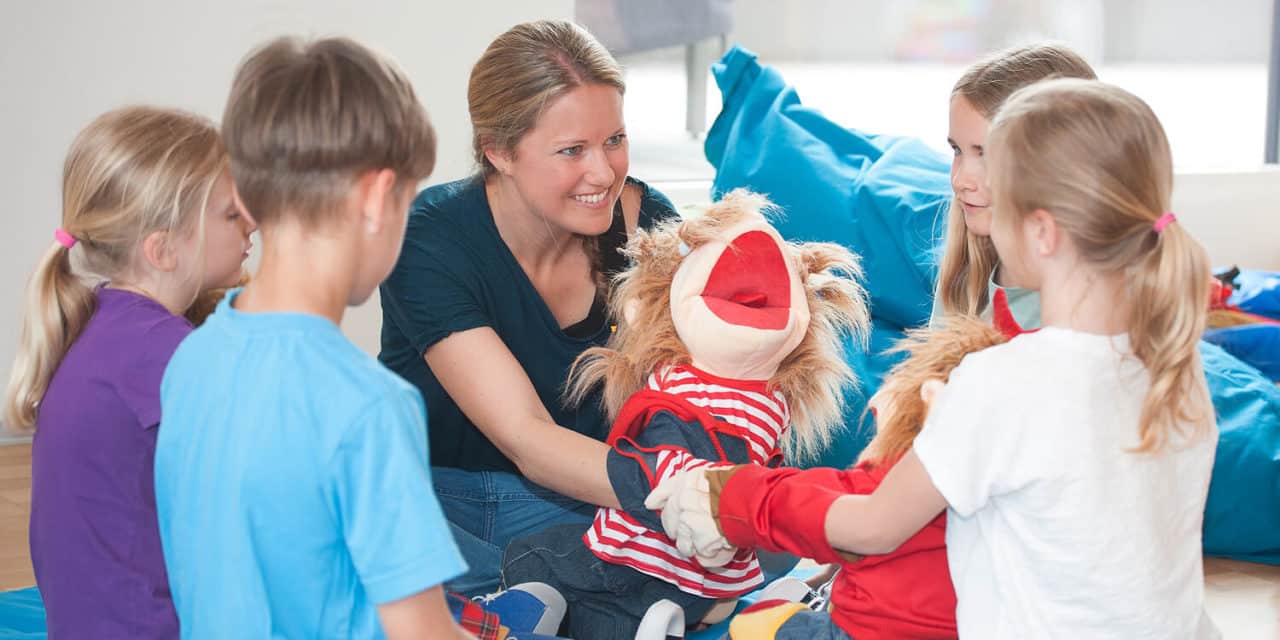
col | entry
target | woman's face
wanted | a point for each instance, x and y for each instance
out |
(570, 168)
(968, 137)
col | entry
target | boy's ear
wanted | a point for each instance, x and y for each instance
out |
(376, 190)
(158, 251)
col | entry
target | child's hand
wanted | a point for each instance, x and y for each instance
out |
(685, 502)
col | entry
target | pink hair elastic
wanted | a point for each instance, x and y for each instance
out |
(65, 239)
(1163, 221)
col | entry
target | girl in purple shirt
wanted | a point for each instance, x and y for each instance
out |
(149, 224)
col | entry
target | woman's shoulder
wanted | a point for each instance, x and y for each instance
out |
(446, 213)
(654, 205)
(458, 199)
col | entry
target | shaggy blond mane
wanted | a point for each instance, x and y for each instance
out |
(931, 355)
(812, 378)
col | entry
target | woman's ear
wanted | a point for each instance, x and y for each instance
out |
(159, 252)
(500, 159)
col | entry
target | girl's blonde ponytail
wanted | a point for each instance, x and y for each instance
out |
(58, 305)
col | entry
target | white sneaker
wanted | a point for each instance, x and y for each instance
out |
(529, 607)
(663, 621)
(794, 590)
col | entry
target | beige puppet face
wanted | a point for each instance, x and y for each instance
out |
(738, 304)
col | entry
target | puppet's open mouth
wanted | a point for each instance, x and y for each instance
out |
(750, 284)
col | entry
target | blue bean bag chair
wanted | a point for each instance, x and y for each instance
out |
(1257, 345)
(885, 197)
(1257, 292)
(22, 615)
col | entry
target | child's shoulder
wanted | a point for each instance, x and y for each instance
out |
(1016, 368)
(134, 324)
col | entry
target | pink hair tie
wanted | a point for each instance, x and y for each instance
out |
(65, 239)
(1163, 221)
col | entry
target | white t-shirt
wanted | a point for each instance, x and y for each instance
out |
(1054, 529)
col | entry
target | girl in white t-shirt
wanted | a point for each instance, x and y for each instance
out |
(1074, 461)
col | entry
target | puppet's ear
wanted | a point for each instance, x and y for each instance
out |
(629, 310)
(929, 390)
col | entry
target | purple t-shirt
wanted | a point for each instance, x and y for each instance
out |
(95, 543)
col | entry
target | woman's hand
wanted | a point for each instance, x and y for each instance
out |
(684, 498)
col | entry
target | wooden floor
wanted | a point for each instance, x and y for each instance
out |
(1243, 598)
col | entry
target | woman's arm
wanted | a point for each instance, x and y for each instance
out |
(878, 523)
(480, 374)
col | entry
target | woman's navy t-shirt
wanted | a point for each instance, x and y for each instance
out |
(455, 273)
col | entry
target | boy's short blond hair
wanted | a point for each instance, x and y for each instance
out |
(306, 118)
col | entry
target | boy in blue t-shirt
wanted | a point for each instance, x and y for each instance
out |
(292, 484)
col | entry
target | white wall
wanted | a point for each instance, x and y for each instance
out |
(1131, 30)
(64, 62)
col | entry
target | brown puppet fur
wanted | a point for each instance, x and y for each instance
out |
(931, 355)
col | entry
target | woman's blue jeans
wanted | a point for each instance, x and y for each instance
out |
(487, 509)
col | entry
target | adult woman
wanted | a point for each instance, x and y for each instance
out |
(502, 283)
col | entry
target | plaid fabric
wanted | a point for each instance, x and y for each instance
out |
(483, 624)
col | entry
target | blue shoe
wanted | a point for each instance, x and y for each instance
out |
(529, 607)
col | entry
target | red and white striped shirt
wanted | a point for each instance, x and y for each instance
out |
(762, 418)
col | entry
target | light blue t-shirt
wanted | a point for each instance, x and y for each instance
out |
(292, 483)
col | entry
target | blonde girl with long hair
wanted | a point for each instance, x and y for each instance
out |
(969, 272)
(148, 225)
(1073, 462)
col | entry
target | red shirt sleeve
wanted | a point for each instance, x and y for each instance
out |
(786, 509)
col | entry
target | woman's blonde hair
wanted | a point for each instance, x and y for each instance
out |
(522, 72)
(968, 259)
(1096, 158)
(130, 173)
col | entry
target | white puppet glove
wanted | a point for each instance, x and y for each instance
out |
(685, 502)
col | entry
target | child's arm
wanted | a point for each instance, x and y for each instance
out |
(801, 511)
(421, 615)
(478, 371)
(752, 506)
(876, 524)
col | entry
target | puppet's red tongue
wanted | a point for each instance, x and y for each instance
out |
(750, 285)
